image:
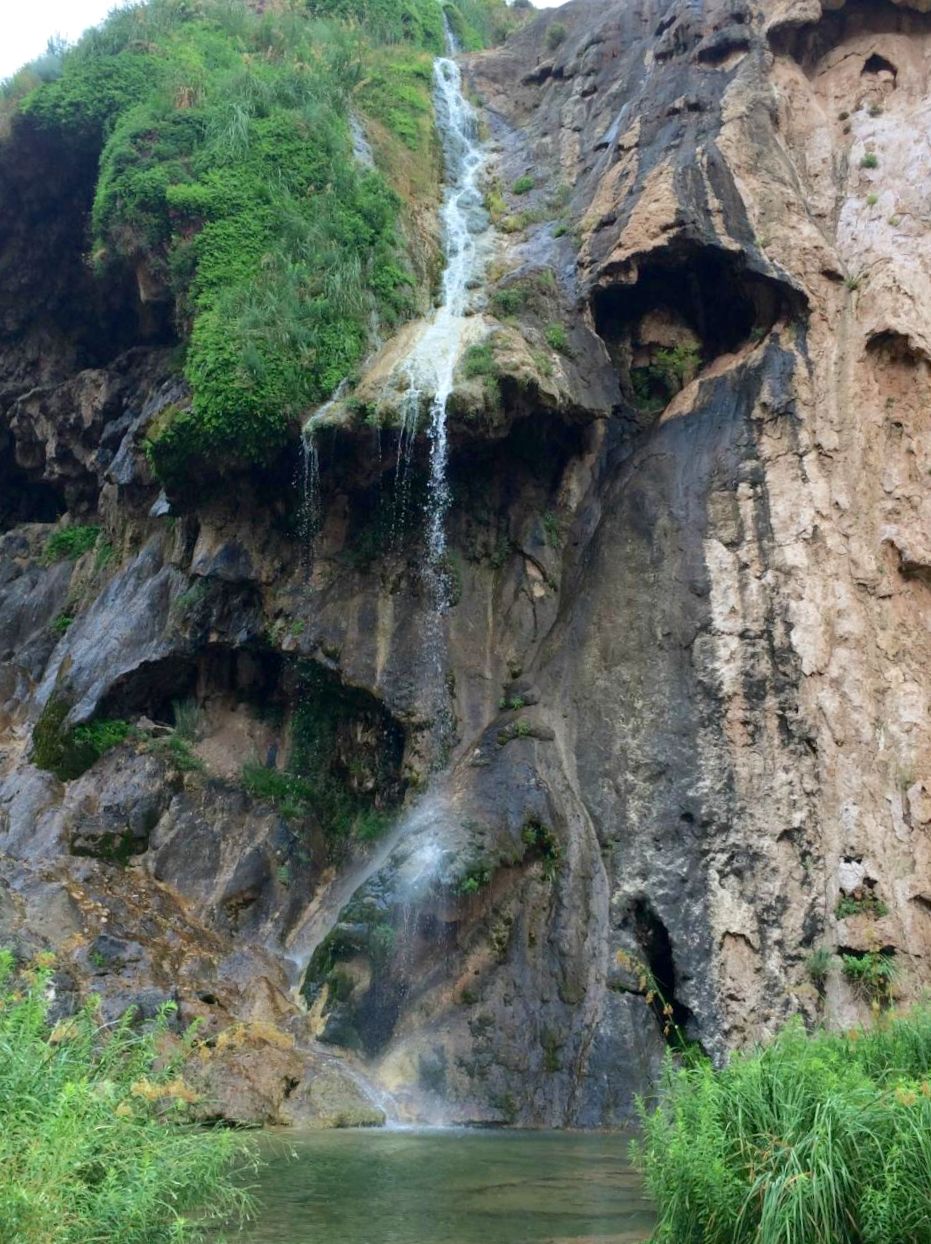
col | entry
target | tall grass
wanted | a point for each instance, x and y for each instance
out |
(822, 1139)
(94, 1143)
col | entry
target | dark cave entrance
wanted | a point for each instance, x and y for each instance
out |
(338, 746)
(49, 179)
(656, 950)
(877, 65)
(688, 306)
(810, 43)
(23, 499)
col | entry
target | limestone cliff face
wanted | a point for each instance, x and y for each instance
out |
(688, 650)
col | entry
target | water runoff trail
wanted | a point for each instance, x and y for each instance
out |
(431, 364)
(428, 370)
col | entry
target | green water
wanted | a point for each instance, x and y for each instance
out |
(448, 1187)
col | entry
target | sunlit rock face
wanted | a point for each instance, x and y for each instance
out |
(686, 644)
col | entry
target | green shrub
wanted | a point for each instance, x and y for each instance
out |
(70, 751)
(555, 33)
(62, 623)
(479, 360)
(508, 301)
(69, 543)
(870, 160)
(557, 338)
(523, 185)
(872, 975)
(95, 1143)
(669, 370)
(822, 1139)
(863, 905)
(818, 966)
(292, 796)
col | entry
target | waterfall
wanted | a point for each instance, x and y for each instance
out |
(430, 367)
(311, 511)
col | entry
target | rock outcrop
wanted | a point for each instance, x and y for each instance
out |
(688, 647)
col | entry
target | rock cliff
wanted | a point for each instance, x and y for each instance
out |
(687, 647)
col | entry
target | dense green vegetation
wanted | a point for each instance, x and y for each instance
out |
(69, 751)
(69, 543)
(822, 1139)
(226, 171)
(95, 1145)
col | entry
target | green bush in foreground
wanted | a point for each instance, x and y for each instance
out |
(94, 1143)
(810, 1140)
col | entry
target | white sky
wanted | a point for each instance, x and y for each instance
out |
(27, 25)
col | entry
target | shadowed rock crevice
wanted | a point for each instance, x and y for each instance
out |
(808, 40)
(49, 178)
(656, 948)
(686, 307)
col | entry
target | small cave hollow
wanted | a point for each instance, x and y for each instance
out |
(686, 308)
(49, 177)
(24, 499)
(330, 750)
(656, 950)
(810, 42)
(877, 66)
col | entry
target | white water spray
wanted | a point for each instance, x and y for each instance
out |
(431, 365)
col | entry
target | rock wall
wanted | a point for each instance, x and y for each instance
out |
(688, 646)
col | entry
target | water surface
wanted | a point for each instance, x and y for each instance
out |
(448, 1187)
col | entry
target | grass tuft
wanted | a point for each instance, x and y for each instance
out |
(822, 1139)
(96, 1143)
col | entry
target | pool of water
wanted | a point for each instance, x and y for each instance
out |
(448, 1187)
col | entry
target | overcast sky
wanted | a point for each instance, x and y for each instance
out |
(24, 34)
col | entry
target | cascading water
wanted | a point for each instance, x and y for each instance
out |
(311, 511)
(431, 364)
(429, 371)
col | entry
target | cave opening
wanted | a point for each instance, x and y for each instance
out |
(332, 750)
(877, 66)
(656, 950)
(810, 42)
(23, 499)
(688, 306)
(49, 179)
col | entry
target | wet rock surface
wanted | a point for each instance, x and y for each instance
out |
(687, 643)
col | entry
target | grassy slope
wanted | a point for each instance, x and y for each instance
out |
(226, 172)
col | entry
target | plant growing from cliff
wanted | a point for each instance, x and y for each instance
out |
(62, 623)
(860, 905)
(872, 975)
(70, 751)
(479, 360)
(524, 184)
(69, 543)
(668, 372)
(226, 172)
(96, 1143)
(870, 160)
(818, 966)
(557, 338)
(819, 1139)
(292, 796)
(555, 33)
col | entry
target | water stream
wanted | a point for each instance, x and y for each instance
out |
(428, 371)
(431, 364)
